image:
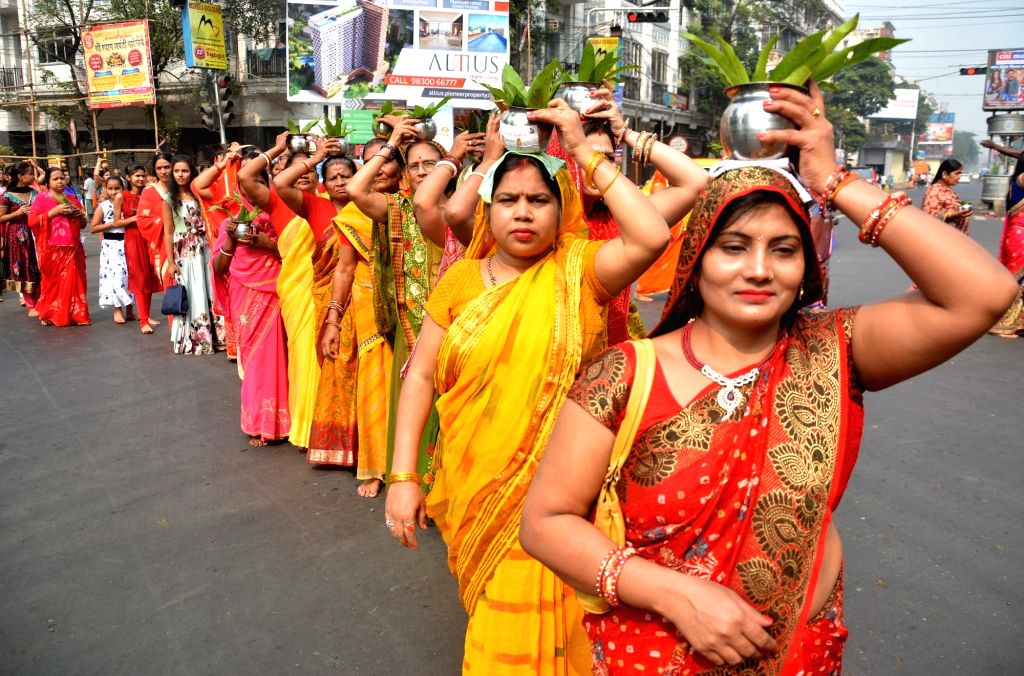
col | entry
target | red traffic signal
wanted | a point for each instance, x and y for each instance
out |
(974, 70)
(647, 17)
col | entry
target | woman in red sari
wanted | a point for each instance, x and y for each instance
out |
(250, 265)
(730, 556)
(56, 221)
(142, 279)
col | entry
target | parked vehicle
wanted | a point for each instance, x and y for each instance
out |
(866, 174)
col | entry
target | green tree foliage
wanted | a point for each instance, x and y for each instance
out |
(965, 148)
(529, 17)
(860, 91)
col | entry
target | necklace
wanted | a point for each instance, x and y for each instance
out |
(729, 396)
(490, 271)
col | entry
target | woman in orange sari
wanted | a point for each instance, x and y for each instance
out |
(56, 221)
(751, 425)
(506, 331)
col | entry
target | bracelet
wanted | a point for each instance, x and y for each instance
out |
(900, 201)
(622, 136)
(599, 583)
(477, 173)
(612, 571)
(638, 147)
(336, 305)
(454, 160)
(592, 163)
(390, 148)
(267, 158)
(332, 322)
(450, 165)
(402, 477)
(652, 139)
(618, 172)
(229, 255)
(305, 163)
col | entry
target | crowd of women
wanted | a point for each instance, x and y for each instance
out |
(457, 322)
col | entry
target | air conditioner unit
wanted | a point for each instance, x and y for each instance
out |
(554, 25)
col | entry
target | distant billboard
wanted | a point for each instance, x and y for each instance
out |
(1004, 83)
(936, 141)
(343, 51)
(118, 71)
(202, 31)
(903, 106)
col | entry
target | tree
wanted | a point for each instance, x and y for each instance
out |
(860, 91)
(965, 148)
(529, 18)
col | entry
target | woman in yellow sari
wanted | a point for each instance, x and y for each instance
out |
(506, 331)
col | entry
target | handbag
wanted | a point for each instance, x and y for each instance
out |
(607, 511)
(175, 300)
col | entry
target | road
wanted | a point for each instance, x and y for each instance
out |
(141, 534)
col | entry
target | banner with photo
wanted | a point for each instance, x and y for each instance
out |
(202, 28)
(1004, 82)
(118, 70)
(342, 52)
(936, 141)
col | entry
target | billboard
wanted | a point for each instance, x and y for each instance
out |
(1004, 83)
(936, 141)
(202, 28)
(903, 106)
(118, 70)
(343, 51)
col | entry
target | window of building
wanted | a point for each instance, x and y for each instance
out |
(56, 45)
(659, 66)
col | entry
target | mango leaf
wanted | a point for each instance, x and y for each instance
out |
(305, 130)
(799, 76)
(511, 81)
(587, 61)
(854, 55)
(798, 56)
(543, 87)
(761, 70)
(735, 65)
(292, 126)
(837, 34)
(714, 58)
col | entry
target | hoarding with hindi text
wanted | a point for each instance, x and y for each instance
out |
(202, 27)
(118, 68)
(343, 52)
(1004, 82)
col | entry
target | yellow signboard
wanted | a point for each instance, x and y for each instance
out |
(202, 27)
(118, 69)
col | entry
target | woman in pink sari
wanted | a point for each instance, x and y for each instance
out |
(1011, 253)
(251, 264)
(56, 221)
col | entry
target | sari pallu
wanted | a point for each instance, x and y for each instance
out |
(1011, 254)
(504, 367)
(150, 222)
(62, 300)
(741, 502)
(333, 435)
(142, 279)
(262, 346)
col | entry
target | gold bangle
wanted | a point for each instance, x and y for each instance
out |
(402, 477)
(618, 173)
(592, 164)
(649, 147)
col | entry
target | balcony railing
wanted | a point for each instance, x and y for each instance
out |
(11, 81)
(265, 63)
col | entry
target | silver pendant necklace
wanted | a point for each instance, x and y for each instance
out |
(729, 396)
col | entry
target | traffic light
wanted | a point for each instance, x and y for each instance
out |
(974, 70)
(647, 16)
(209, 116)
(223, 99)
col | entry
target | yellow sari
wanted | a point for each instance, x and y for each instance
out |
(508, 358)
(295, 289)
(374, 356)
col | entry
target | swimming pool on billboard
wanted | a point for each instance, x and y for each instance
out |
(487, 33)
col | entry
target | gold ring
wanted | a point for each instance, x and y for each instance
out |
(816, 113)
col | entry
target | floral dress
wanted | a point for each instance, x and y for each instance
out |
(113, 265)
(199, 331)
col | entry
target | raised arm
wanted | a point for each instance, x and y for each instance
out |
(428, 202)
(962, 290)
(285, 182)
(360, 188)
(644, 234)
(257, 191)
(405, 505)
(685, 178)
(1004, 150)
(203, 183)
(460, 211)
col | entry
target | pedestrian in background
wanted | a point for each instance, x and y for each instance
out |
(942, 202)
(113, 280)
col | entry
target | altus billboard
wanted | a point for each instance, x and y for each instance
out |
(402, 50)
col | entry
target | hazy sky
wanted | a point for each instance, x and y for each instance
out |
(948, 34)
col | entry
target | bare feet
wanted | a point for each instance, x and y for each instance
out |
(153, 322)
(119, 316)
(369, 488)
(33, 312)
(146, 328)
(256, 441)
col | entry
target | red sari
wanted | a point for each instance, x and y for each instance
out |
(62, 300)
(142, 279)
(151, 224)
(1011, 254)
(262, 345)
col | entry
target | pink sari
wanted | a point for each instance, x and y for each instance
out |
(62, 300)
(262, 355)
(1011, 254)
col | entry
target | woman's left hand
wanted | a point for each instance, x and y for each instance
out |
(813, 136)
(404, 508)
(570, 128)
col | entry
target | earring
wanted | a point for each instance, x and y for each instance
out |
(800, 294)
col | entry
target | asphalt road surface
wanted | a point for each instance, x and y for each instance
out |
(140, 534)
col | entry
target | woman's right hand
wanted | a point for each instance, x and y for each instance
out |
(719, 624)
(173, 270)
(23, 210)
(404, 509)
(330, 340)
(466, 143)
(405, 131)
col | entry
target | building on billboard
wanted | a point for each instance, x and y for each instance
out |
(347, 40)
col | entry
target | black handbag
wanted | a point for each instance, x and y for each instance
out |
(175, 300)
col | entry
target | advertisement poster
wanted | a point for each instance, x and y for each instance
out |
(903, 106)
(347, 51)
(118, 71)
(937, 139)
(602, 46)
(1004, 83)
(202, 27)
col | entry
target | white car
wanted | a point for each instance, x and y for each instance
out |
(964, 178)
